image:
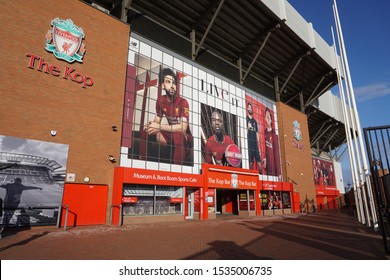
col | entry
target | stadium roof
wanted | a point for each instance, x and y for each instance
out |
(258, 43)
(10, 159)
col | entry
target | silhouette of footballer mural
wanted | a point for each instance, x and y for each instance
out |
(32, 175)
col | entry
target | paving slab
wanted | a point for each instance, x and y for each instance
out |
(327, 235)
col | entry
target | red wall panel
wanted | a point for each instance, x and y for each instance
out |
(87, 204)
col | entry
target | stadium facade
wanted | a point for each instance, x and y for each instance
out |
(91, 76)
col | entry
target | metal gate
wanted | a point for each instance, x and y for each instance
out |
(378, 151)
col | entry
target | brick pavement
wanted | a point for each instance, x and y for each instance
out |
(318, 236)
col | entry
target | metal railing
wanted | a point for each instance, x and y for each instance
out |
(27, 216)
(66, 206)
(378, 150)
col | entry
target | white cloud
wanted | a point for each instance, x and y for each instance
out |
(372, 91)
(52, 151)
(1, 142)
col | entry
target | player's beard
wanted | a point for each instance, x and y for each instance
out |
(171, 94)
(219, 136)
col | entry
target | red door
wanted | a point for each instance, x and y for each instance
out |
(297, 202)
(87, 204)
(320, 202)
(229, 200)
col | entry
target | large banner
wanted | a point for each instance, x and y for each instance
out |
(323, 173)
(263, 138)
(32, 175)
(219, 133)
(157, 115)
(178, 116)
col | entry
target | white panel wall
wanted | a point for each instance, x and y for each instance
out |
(324, 50)
(299, 25)
(339, 176)
(305, 30)
(325, 103)
(331, 105)
(278, 7)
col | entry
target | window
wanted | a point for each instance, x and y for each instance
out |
(275, 200)
(243, 195)
(152, 200)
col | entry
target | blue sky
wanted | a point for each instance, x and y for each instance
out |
(365, 25)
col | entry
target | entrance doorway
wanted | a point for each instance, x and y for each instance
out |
(190, 203)
(227, 202)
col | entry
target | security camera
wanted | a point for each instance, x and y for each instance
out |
(53, 132)
(111, 158)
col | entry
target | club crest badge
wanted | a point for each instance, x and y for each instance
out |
(65, 40)
(297, 130)
(234, 181)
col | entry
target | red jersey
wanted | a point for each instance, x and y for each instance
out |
(272, 152)
(216, 149)
(173, 111)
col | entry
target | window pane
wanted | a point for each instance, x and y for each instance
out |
(252, 200)
(169, 200)
(143, 206)
(142, 198)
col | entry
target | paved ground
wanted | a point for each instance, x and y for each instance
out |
(317, 236)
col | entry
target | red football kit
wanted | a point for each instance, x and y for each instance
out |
(216, 149)
(272, 152)
(174, 112)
